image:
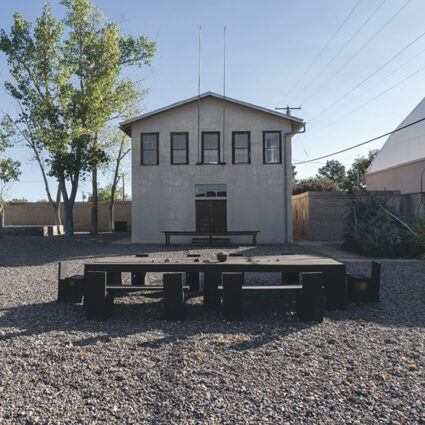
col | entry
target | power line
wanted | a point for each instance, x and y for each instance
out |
(368, 78)
(363, 143)
(375, 97)
(339, 51)
(358, 51)
(322, 50)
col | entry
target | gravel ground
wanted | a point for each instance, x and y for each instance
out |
(361, 366)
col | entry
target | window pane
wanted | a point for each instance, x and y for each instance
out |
(149, 141)
(241, 141)
(179, 141)
(211, 156)
(179, 157)
(211, 190)
(149, 157)
(272, 140)
(272, 156)
(241, 156)
(200, 190)
(221, 189)
(210, 141)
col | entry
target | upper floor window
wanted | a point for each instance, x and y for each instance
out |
(241, 147)
(179, 148)
(149, 149)
(210, 147)
(272, 147)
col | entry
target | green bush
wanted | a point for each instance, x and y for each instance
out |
(414, 239)
(371, 231)
(314, 185)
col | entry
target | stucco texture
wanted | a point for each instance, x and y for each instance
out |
(164, 195)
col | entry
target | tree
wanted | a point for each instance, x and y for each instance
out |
(66, 78)
(105, 194)
(314, 184)
(350, 183)
(97, 52)
(9, 171)
(334, 171)
(294, 175)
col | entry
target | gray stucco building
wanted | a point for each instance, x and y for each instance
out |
(211, 164)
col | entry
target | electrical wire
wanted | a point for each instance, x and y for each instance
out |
(371, 100)
(322, 50)
(358, 51)
(367, 78)
(339, 51)
(363, 143)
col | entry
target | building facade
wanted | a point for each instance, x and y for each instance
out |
(187, 176)
(400, 164)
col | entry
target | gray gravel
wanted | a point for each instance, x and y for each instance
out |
(361, 366)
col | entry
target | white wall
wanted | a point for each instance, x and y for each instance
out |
(164, 196)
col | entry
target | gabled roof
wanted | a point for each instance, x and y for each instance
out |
(405, 146)
(126, 123)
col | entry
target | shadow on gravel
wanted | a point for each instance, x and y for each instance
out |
(264, 321)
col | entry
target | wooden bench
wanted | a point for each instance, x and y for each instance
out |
(211, 235)
(309, 295)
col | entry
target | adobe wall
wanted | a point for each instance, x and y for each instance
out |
(321, 215)
(39, 213)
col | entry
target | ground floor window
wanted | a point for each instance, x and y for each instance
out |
(210, 190)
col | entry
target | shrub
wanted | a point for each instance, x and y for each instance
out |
(371, 231)
(414, 239)
(314, 185)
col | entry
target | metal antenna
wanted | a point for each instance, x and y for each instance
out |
(199, 98)
(288, 109)
(224, 93)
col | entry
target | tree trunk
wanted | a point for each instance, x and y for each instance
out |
(69, 218)
(1, 220)
(112, 214)
(93, 224)
(57, 210)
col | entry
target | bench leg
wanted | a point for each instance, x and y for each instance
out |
(336, 288)
(254, 239)
(138, 278)
(232, 296)
(98, 302)
(70, 289)
(173, 296)
(192, 280)
(290, 278)
(310, 298)
(211, 292)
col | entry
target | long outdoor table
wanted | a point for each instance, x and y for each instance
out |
(333, 271)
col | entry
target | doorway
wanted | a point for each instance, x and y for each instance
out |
(211, 215)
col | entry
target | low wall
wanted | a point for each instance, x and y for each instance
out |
(320, 216)
(41, 213)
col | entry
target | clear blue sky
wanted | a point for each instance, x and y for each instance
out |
(270, 45)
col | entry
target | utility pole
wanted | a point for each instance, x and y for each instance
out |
(287, 108)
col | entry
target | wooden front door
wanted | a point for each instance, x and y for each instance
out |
(211, 216)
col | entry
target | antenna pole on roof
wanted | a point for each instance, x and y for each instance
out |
(224, 93)
(199, 98)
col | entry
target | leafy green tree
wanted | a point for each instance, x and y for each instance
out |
(334, 171)
(67, 80)
(96, 53)
(105, 194)
(294, 175)
(18, 201)
(9, 171)
(350, 182)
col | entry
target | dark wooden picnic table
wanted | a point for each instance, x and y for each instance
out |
(334, 273)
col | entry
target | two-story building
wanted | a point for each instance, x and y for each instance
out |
(212, 164)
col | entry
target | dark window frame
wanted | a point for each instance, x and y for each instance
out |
(234, 133)
(179, 133)
(218, 148)
(264, 147)
(142, 149)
